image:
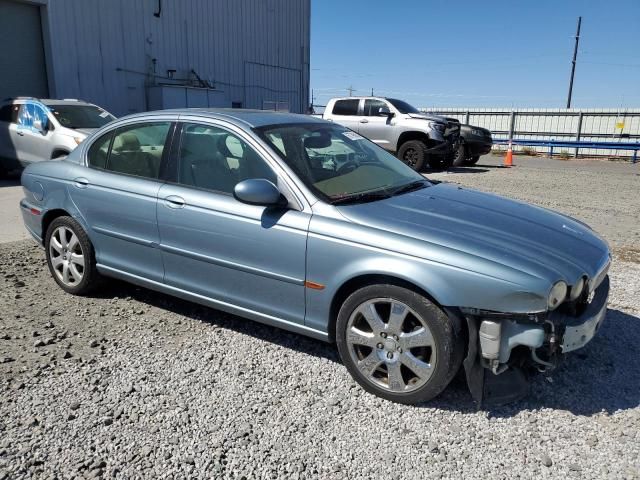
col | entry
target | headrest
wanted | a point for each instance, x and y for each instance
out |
(201, 144)
(128, 142)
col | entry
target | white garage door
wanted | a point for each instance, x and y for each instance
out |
(22, 63)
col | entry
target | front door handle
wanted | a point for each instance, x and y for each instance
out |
(364, 120)
(174, 201)
(81, 182)
(20, 133)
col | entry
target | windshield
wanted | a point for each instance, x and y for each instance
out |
(339, 165)
(403, 107)
(81, 116)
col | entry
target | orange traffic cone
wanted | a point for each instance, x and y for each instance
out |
(508, 158)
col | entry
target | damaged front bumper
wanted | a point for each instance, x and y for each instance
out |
(501, 349)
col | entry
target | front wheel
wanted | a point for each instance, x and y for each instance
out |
(397, 344)
(70, 256)
(460, 155)
(413, 154)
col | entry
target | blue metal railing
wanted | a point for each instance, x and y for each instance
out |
(551, 144)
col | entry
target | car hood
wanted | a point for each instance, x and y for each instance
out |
(530, 239)
(86, 131)
(427, 116)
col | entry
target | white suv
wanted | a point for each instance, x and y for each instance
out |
(32, 130)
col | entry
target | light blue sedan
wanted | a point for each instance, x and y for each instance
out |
(305, 225)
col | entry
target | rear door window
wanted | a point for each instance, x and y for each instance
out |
(9, 113)
(26, 115)
(137, 150)
(346, 107)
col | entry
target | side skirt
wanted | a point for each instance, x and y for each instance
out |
(210, 302)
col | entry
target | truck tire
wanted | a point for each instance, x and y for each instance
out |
(413, 154)
(460, 156)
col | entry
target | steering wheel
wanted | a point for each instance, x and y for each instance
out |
(347, 167)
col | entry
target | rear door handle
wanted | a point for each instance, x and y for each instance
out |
(81, 182)
(364, 120)
(174, 201)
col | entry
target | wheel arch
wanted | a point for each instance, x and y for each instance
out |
(413, 135)
(364, 280)
(59, 152)
(49, 217)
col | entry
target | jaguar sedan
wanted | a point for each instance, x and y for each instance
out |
(305, 225)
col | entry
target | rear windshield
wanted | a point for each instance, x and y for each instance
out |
(81, 116)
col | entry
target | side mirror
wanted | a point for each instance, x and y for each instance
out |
(384, 112)
(258, 191)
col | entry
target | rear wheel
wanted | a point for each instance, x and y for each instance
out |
(412, 153)
(397, 344)
(70, 256)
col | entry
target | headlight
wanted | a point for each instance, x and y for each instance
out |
(577, 289)
(477, 133)
(557, 295)
(440, 127)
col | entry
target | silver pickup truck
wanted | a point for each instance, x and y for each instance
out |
(414, 137)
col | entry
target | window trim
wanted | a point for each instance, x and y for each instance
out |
(112, 136)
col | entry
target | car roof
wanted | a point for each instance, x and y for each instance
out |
(45, 101)
(250, 118)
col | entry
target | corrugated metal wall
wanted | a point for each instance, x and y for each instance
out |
(108, 52)
(597, 125)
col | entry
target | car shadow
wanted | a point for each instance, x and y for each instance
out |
(300, 343)
(11, 179)
(474, 169)
(603, 376)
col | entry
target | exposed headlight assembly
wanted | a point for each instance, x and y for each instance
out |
(557, 295)
(577, 289)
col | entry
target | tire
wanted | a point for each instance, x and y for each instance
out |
(460, 156)
(409, 358)
(413, 154)
(472, 160)
(70, 256)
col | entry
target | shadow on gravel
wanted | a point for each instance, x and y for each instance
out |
(603, 376)
(194, 311)
(428, 171)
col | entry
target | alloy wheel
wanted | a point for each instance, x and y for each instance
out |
(391, 345)
(67, 257)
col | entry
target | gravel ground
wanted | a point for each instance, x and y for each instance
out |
(133, 384)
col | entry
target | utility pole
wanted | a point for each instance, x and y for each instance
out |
(351, 90)
(573, 63)
(372, 91)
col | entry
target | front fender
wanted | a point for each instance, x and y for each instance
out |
(333, 261)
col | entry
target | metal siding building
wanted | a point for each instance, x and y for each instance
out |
(135, 55)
